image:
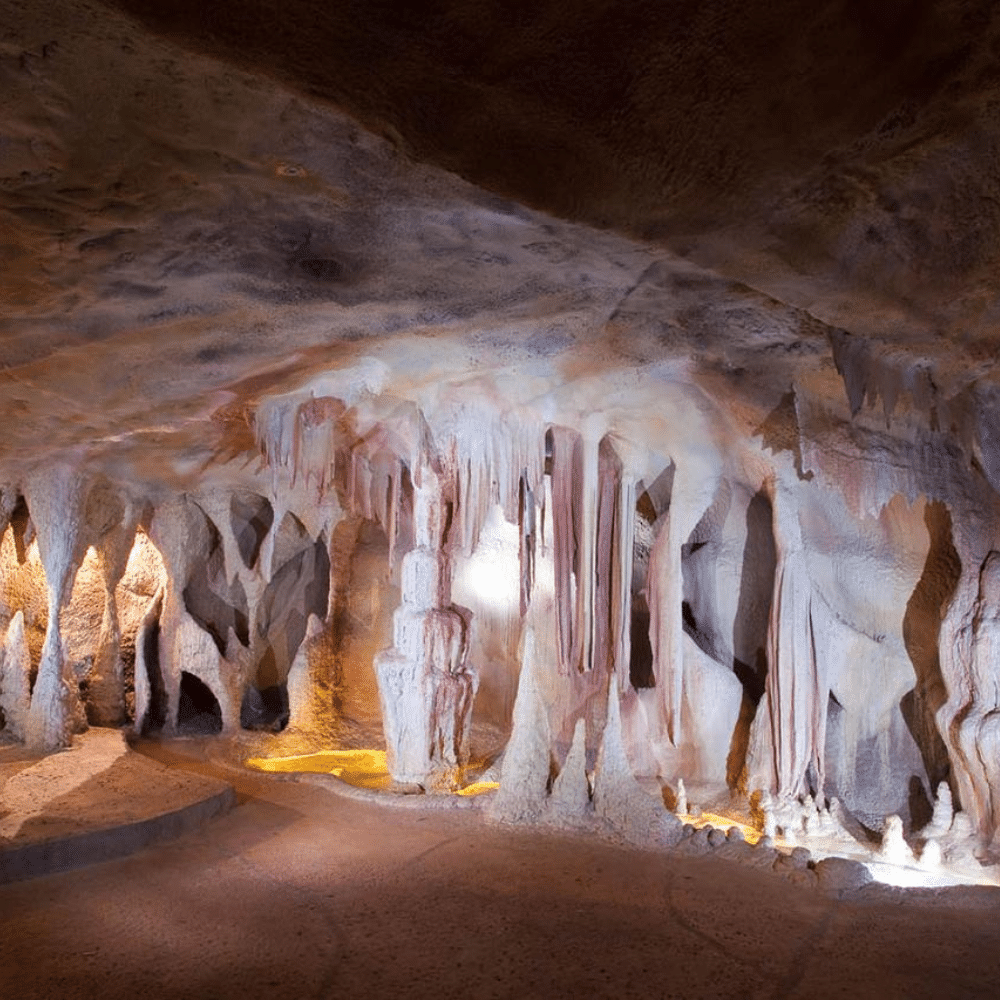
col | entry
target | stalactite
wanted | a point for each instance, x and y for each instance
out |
(790, 730)
(526, 519)
(567, 473)
(621, 584)
(585, 501)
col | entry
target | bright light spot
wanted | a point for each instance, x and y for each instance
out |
(919, 878)
(909, 877)
(493, 572)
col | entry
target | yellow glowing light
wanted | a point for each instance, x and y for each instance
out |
(750, 834)
(479, 788)
(361, 768)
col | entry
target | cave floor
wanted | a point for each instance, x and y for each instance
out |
(306, 893)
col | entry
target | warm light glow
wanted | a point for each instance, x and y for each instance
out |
(360, 768)
(750, 833)
(479, 788)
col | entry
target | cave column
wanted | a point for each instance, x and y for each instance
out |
(55, 499)
(790, 728)
(969, 721)
(426, 685)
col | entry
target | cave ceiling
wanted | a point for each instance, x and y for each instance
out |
(551, 205)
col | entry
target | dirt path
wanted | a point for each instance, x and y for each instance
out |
(302, 893)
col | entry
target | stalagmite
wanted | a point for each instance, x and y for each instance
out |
(943, 815)
(426, 685)
(15, 668)
(524, 777)
(149, 694)
(894, 848)
(569, 803)
(619, 801)
(681, 809)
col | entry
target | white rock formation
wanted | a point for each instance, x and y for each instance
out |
(619, 800)
(569, 803)
(894, 848)
(15, 669)
(524, 777)
(426, 684)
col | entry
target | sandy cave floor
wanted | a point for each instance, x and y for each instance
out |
(313, 894)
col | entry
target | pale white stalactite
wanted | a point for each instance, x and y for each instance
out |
(664, 595)
(15, 670)
(622, 584)
(586, 542)
(607, 560)
(565, 484)
(527, 544)
(56, 501)
(790, 728)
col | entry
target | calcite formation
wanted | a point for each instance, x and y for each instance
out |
(304, 436)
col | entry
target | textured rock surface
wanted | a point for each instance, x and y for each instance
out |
(303, 430)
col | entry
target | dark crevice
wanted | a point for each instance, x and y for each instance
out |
(251, 517)
(921, 629)
(198, 710)
(156, 713)
(266, 709)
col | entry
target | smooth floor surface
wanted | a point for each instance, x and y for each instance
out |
(301, 893)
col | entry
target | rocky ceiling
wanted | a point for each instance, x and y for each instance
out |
(209, 205)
